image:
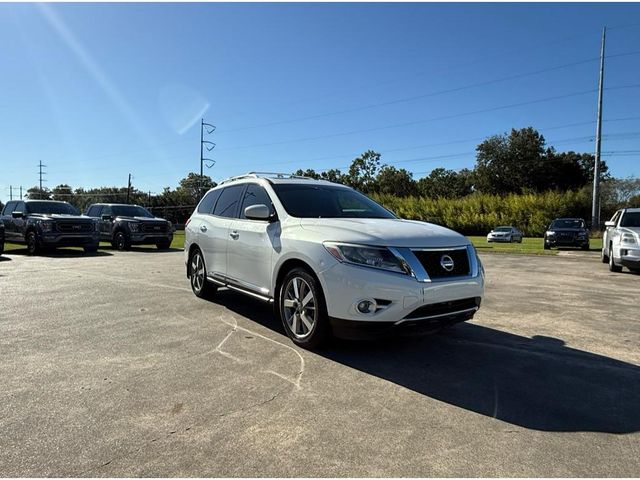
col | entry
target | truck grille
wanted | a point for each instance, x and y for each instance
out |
(432, 262)
(68, 227)
(154, 227)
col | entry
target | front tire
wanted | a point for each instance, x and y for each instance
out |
(612, 263)
(546, 246)
(603, 256)
(303, 310)
(91, 249)
(121, 241)
(33, 247)
(198, 276)
(164, 245)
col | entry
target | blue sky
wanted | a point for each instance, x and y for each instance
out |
(98, 91)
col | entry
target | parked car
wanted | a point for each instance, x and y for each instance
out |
(125, 225)
(1, 238)
(505, 234)
(621, 240)
(567, 232)
(42, 224)
(331, 260)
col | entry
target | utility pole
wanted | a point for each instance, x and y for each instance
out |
(10, 192)
(129, 188)
(595, 206)
(40, 194)
(209, 146)
(20, 192)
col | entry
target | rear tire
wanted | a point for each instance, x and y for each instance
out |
(603, 257)
(546, 246)
(303, 309)
(612, 263)
(200, 286)
(1, 248)
(33, 247)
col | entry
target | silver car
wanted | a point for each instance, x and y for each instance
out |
(505, 234)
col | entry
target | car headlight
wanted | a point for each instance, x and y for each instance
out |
(628, 239)
(134, 227)
(550, 233)
(366, 256)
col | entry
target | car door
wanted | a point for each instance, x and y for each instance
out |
(7, 220)
(213, 230)
(18, 225)
(106, 226)
(609, 233)
(250, 247)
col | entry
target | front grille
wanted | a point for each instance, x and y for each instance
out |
(566, 236)
(444, 308)
(68, 227)
(154, 227)
(431, 261)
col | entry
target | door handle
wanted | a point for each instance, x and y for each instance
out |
(203, 228)
(234, 235)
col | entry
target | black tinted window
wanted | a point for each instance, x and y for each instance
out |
(325, 201)
(130, 211)
(20, 207)
(94, 211)
(227, 205)
(209, 201)
(255, 195)
(60, 208)
(8, 208)
(631, 219)
(568, 223)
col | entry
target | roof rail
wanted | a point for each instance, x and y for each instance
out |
(264, 175)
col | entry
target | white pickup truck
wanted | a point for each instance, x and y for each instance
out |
(621, 241)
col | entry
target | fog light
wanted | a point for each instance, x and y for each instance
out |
(366, 306)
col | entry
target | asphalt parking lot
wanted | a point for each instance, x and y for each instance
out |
(110, 366)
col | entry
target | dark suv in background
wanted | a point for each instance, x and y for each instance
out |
(42, 224)
(124, 225)
(1, 238)
(567, 232)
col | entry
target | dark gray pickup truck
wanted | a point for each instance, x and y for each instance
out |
(41, 224)
(125, 225)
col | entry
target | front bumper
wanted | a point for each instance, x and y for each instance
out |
(148, 238)
(630, 258)
(66, 240)
(498, 239)
(396, 296)
(555, 242)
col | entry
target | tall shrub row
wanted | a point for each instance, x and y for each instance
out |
(478, 213)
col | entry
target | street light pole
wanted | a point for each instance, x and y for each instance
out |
(595, 205)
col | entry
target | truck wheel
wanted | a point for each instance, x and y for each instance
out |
(91, 249)
(546, 246)
(120, 241)
(32, 243)
(612, 263)
(604, 257)
(164, 245)
(1, 248)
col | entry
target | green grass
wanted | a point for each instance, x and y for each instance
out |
(529, 245)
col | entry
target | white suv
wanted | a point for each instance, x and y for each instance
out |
(331, 260)
(621, 240)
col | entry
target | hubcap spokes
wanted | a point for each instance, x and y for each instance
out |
(299, 307)
(197, 272)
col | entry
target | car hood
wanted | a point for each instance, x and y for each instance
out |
(142, 219)
(390, 232)
(59, 216)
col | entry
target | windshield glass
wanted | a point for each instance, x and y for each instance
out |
(567, 223)
(631, 219)
(325, 201)
(130, 211)
(503, 229)
(60, 208)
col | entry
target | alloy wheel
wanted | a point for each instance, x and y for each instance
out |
(299, 307)
(197, 272)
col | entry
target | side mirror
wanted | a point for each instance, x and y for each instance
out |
(106, 217)
(257, 212)
(609, 223)
(17, 214)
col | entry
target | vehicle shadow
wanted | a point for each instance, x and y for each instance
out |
(142, 249)
(4, 258)
(536, 383)
(60, 253)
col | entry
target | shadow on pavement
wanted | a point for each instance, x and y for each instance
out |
(537, 383)
(60, 253)
(141, 249)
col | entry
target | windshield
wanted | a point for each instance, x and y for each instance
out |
(567, 223)
(60, 208)
(503, 229)
(130, 211)
(631, 219)
(325, 201)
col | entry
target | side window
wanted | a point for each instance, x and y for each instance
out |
(21, 207)
(227, 205)
(106, 210)
(9, 207)
(93, 211)
(255, 195)
(209, 201)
